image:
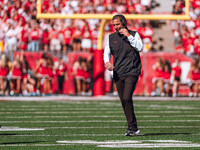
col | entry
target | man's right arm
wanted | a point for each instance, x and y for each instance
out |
(107, 56)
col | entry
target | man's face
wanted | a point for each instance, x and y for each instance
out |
(117, 24)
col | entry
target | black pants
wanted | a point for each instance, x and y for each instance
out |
(126, 87)
(60, 80)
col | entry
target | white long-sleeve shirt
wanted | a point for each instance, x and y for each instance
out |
(135, 42)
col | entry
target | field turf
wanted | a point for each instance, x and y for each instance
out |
(98, 125)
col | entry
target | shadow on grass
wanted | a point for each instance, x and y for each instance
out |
(150, 134)
(23, 142)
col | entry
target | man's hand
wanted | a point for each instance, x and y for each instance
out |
(124, 31)
(109, 66)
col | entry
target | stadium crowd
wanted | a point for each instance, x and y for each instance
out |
(20, 30)
(187, 33)
(167, 78)
(186, 40)
(18, 78)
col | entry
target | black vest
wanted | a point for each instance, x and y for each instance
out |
(126, 58)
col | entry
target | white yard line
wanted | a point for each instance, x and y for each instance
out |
(93, 98)
(105, 112)
(121, 141)
(87, 109)
(134, 144)
(101, 116)
(95, 106)
(58, 112)
(152, 145)
(104, 116)
(122, 127)
(20, 129)
(89, 121)
(77, 135)
(54, 109)
(97, 127)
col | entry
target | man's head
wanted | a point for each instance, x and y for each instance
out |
(119, 22)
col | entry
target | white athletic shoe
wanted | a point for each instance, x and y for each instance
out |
(131, 132)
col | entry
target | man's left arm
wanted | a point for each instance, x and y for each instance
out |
(136, 42)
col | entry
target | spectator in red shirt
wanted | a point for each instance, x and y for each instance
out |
(55, 42)
(4, 70)
(158, 80)
(195, 4)
(24, 38)
(197, 46)
(176, 73)
(34, 37)
(16, 76)
(86, 43)
(40, 71)
(28, 82)
(167, 75)
(67, 40)
(194, 76)
(78, 72)
(147, 31)
(45, 40)
(50, 74)
(76, 36)
(61, 72)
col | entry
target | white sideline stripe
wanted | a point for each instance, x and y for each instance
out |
(117, 144)
(98, 108)
(64, 112)
(66, 106)
(84, 135)
(113, 146)
(135, 144)
(122, 127)
(65, 109)
(105, 112)
(95, 106)
(173, 107)
(77, 135)
(84, 121)
(120, 141)
(157, 145)
(64, 98)
(104, 116)
(99, 127)
(20, 129)
(66, 116)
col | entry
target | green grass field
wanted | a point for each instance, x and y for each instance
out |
(91, 125)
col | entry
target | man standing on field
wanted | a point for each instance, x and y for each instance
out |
(125, 46)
